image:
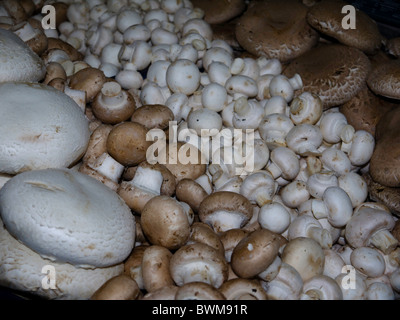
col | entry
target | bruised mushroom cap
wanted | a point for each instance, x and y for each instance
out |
(365, 109)
(326, 17)
(220, 11)
(19, 62)
(384, 163)
(227, 204)
(66, 216)
(255, 252)
(20, 269)
(334, 72)
(40, 127)
(165, 222)
(384, 79)
(275, 29)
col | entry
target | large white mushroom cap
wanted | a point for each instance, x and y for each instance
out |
(67, 216)
(40, 127)
(21, 269)
(17, 61)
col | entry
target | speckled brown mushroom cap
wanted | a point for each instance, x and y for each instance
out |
(276, 29)
(219, 11)
(326, 17)
(365, 109)
(153, 116)
(384, 79)
(386, 195)
(334, 72)
(385, 161)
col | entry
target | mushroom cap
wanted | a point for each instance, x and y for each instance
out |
(18, 61)
(326, 17)
(164, 293)
(90, 80)
(198, 262)
(334, 72)
(365, 109)
(243, 289)
(197, 290)
(305, 255)
(66, 216)
(191, 192)
(384, 79)
(220, 11)
(20, 269)
(153, 116)
(393, 46)
(386, 195)
(40, 127)
(225, 201)
(203, 233)
(385, 160)
(127, 143)
(165, 222)
(121, 287)
(275, 29)
(255, 252)
(365, 223)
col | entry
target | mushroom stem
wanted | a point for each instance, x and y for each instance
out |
(321, 235)
(141, 179)
(241, 106)
(25, 31)
(108, 167)
(384, 241)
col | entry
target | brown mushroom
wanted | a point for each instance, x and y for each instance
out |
(197, 290)
(201, 232)
(224, 210)
(56, 43)
(164, 293)
(219, 11)
(120, 287)
(133, 265)
(385, 160)
(393, 47)
(276, 29)
(189, 191)
(165, 222)
(255, 252)
(334, 72)
(384, 79)
(243, 289)
(327, 17)
(90, 80)
(127, 143)
(153, 116)
(15, 10)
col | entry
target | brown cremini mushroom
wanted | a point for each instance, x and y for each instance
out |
(197, 290)
(191, 192)
(154, 116)
(384, 79)
(243, 289)
(121, 287)
(334, 72)
(327, 17)
(275, 29)
(221, 10)
(90, 80)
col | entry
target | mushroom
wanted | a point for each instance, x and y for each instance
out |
(368, 261)
(198, 262)
(352, 288)
(306, 108)
(393, 46)
(133, 264)
(60, 232)
(305, 255)
(255, 252)
(127, 143)
(90, 80)
(23, 274)
(155, 268)
(153, 116)
(291, 34)
(190, 192)
(304, 139)
(120, 287)
(203, 233)
(259, 187)
(164, 293)
(283, 162)
(225, 210)
(183, 77)
(220, 11)
(113, 104)
(371, 227)
(166, 221)
(41, 128)
(198, 290)
(327, 18)
(325, 73)
(321, 287)
(243, 289)
(230, 239)
(274, 217)
(20, 62)
(317, 183)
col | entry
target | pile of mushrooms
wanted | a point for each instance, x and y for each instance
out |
(119, 169)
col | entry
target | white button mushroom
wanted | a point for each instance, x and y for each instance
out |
(67, 216)
(183, 77)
